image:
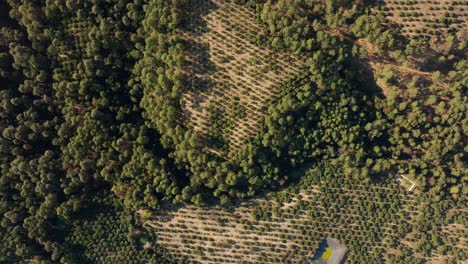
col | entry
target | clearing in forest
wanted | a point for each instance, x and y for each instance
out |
(288, 226)
(233, 79)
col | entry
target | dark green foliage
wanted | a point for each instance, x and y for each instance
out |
(101, 232)
(91, 99)
(69, 126)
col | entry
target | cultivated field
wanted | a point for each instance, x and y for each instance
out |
(230, 95)
(288, 226)
(376, 223)
(428, 17)
(234, 78)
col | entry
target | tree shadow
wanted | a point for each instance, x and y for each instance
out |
(197, 9)
(200, 58)
(166, 213)
(363, 74)
(5, 19)
(430, 60)
(195, 25)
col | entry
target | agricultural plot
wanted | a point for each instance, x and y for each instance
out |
(458, 233)
(233, 79)
(427, 17)
(289, 226)
(451, 238)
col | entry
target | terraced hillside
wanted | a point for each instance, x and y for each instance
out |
(234, 79)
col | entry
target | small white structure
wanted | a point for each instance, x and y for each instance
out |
(401, 176)
(147, 245)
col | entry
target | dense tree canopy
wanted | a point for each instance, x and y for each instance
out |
(91, 99)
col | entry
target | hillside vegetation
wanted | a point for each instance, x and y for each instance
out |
(428, 18)
(234, 79)
(288, 226)
(118, 115)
